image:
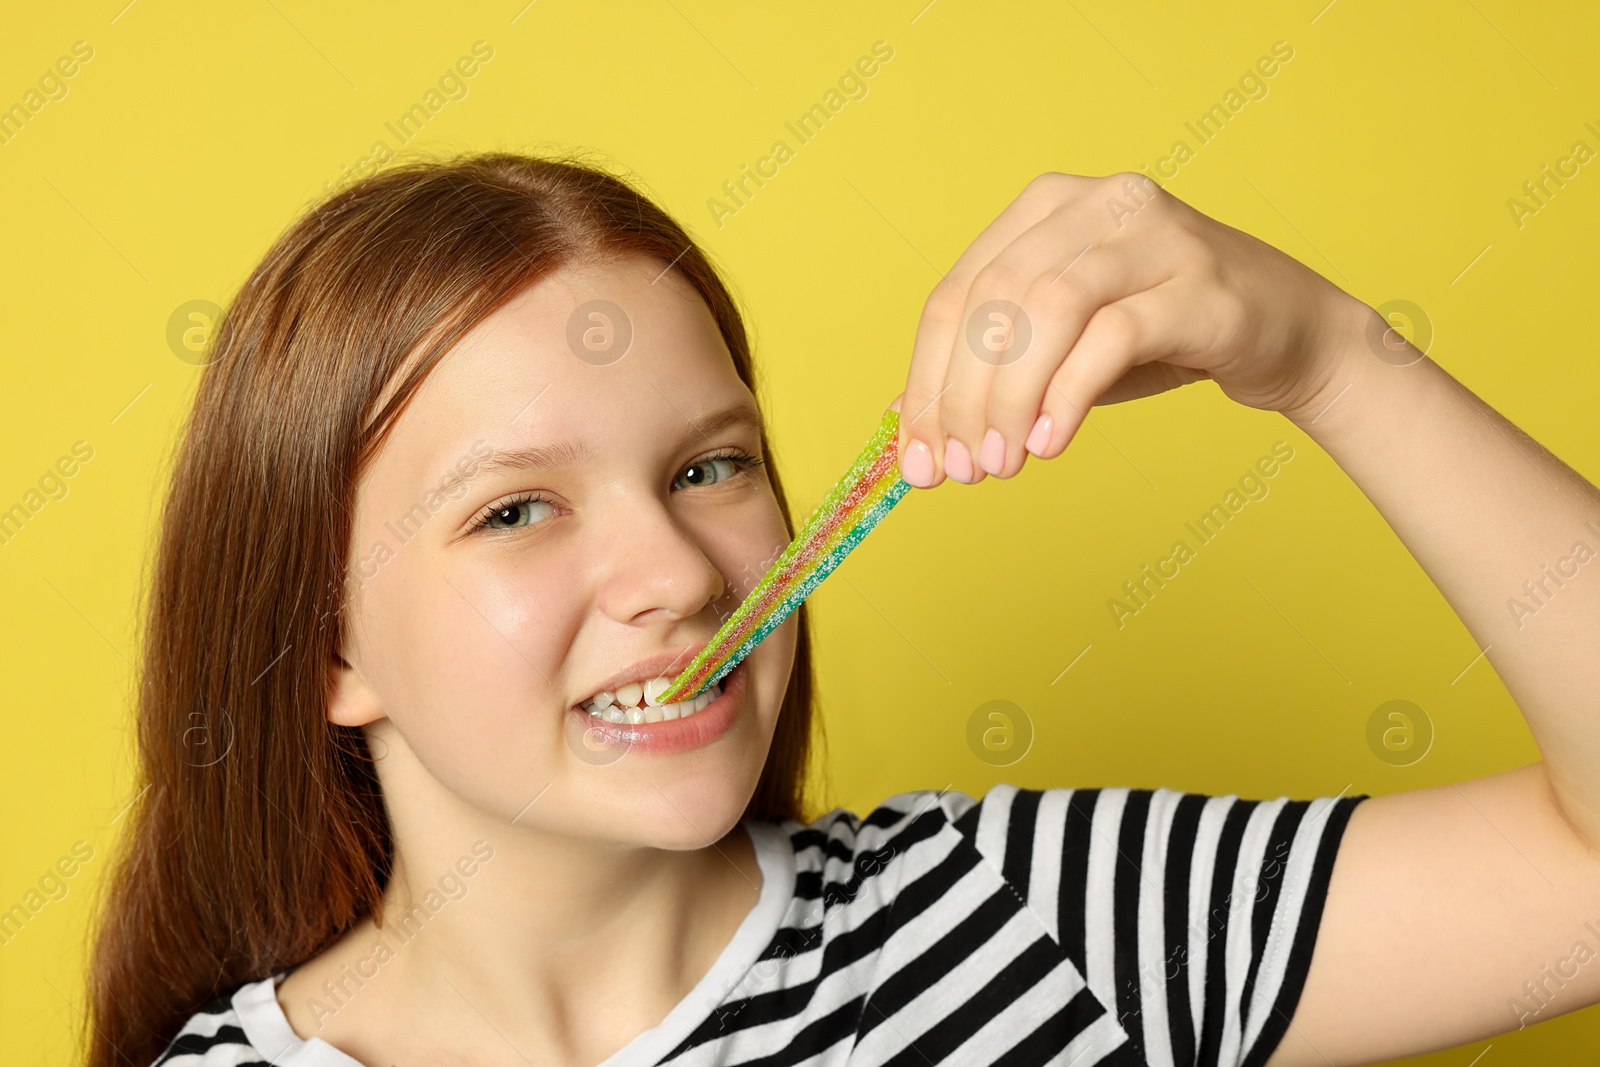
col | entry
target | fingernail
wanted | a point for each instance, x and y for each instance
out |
(916, 464)
(1039, 436)
(992, 456)
(958, 461)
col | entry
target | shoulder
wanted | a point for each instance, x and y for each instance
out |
(1010, 819)
(1011, 826)
(1191, 916)
(865, 856)
(893, 826)
(212, 1037)
(1120, 845)
(856, 858)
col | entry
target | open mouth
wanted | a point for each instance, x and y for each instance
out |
(662, 728)
(637, 703)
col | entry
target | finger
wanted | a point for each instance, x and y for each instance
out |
(1151, 325)
(920, 447)
(941, 317)
(997, 406)
(994, 332)
(1034, 297)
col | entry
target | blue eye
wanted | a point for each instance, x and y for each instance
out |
(505, 514)
(513, 513)
(703, 469)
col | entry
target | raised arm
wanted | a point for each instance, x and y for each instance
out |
(1505, 530)
(1452, 913)
(1467, 910)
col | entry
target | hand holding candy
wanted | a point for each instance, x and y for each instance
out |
(1098, 290)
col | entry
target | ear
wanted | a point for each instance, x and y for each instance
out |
(351, 702)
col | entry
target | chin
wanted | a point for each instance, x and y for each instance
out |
(689, 810)
(695, 811)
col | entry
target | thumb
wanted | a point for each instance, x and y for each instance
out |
(1148, 379)
(902, 434)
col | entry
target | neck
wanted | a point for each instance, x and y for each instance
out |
(567, 945)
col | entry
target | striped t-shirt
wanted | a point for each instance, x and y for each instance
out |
(1074, 927)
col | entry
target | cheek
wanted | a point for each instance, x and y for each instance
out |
(773, 662)
(760, 542)
(466, 665)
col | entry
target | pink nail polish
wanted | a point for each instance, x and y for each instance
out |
(992, 456)
(916, 465)
(958, 461)
(1039, 436)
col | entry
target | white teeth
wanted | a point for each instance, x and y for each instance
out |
(654, 688)
(650, 713)
(628, 696)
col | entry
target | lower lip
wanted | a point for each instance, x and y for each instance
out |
(675, 735)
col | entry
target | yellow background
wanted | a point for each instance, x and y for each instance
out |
(1382, 156)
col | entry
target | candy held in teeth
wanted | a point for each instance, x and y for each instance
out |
(654, 688)
(846, 515)
(651, 712)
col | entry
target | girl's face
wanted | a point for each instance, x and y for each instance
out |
(565, 496)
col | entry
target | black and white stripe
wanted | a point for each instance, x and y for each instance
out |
(212, 1038)
(1192, 917)
(1113, 926)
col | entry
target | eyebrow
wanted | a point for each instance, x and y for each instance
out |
(572, 453)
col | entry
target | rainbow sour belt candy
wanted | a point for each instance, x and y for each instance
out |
(863, 496)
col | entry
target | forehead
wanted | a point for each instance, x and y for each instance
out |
(593, 328)
(625, 352)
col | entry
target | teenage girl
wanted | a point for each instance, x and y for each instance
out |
(477, 464)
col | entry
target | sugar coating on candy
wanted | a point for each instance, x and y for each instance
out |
(830, 542)
(855, 504)
(781, 598)
(814, 579)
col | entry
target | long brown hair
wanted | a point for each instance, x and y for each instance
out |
(259, 834)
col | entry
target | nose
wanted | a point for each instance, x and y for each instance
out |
(654, 565)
